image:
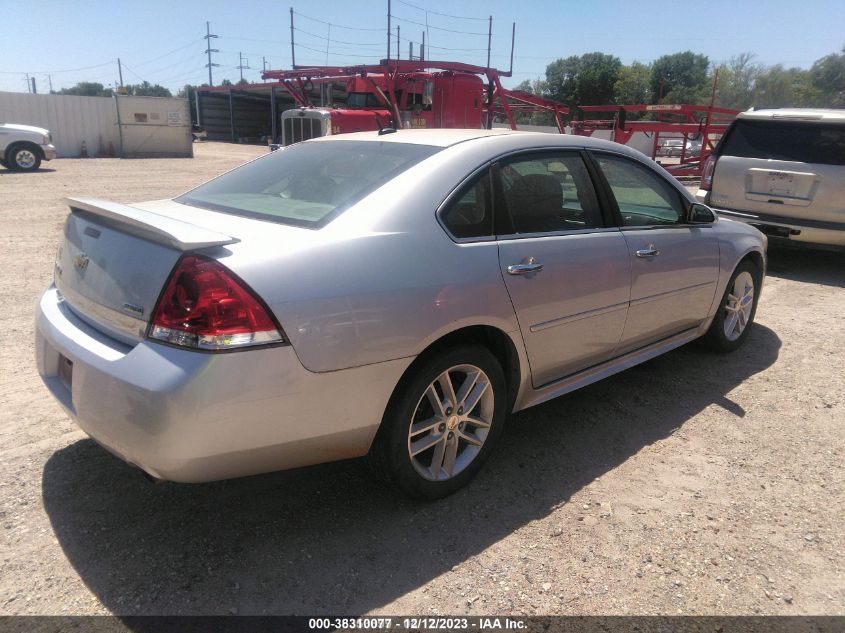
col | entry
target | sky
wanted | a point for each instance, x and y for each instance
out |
(161, 41)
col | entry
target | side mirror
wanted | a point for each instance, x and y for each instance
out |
(700, 214)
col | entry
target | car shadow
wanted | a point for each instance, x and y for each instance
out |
(40, 170)
(810, 265)
(328, 539)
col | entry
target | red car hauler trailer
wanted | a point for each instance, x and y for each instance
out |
(404, 94)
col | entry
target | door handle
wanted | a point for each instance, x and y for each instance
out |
(527, 266)
(651, 251)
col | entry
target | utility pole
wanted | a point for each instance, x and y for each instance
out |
(388, 29)
(209, 51)
(120, 73)
(422, 48)
(34, 89)
(489, 38)
(398, 49)
(50, 81)
(292, 52)
(28, 84)
(241, 66)
(263, 66)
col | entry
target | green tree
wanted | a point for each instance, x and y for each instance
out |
(146, 89)
(634, 85)
(87, 89)
(680, 78)
(226, 82)
(585, 80)
(736, 81)
(827, 76)
(779, 87)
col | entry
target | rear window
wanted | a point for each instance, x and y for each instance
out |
(821, 143)
(307, 184)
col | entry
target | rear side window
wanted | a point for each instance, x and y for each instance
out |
(548, 193)
(820, 143)
(470, 214)
(307, 184)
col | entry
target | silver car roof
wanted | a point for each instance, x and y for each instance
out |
(826, 115)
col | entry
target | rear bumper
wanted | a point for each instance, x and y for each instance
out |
(191, 417)
(788, 228)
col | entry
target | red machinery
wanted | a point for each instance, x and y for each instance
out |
(703, 122)
(404, 94)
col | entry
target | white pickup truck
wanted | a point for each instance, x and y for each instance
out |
(23, 147)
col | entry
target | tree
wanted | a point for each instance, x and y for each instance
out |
(680, 78)
(634, 85)
(736, 80)
(535, 87)
(146, 89)
(779, 87)
(585, 80)
(827, 75)
(226, 82)
(87, 89)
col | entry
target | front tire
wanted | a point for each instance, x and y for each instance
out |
(442, 422)
(24, 157)
(736, 312)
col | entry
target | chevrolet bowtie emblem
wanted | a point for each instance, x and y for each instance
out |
(81, 261)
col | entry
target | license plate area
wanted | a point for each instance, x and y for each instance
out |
(781, 183)
(66, 372)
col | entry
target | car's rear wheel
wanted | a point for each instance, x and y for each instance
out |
(442, 422)
(733, 321)
(24, 157)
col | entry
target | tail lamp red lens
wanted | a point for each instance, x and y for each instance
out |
(205, 307)
(707, 173)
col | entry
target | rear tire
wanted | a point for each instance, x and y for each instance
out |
(441, 423)
(737, 309)
(23, 157)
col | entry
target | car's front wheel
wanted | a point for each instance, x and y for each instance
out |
(24, 157)
(442, 422)
(733, 321)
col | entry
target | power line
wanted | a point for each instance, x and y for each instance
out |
(436, 28)
(323, 52)
(445, 15)
(333, 41)
(54, 72)
(340, 26)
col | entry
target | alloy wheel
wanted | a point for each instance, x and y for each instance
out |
(451, 422)
(738, 305)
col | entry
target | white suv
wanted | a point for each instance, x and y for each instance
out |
(782, 171)
(23, 147)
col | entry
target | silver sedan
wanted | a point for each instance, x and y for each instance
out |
(394, 295)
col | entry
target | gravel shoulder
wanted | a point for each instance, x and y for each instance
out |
(692, 484)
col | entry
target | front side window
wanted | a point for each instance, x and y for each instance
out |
(643, 197)
(545, 193)
(307, 184)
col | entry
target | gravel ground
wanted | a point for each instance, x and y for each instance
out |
(693, 484)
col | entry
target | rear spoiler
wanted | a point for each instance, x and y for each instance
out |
(181, 235)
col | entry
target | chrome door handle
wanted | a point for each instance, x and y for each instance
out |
(524, 269)
(648, 252)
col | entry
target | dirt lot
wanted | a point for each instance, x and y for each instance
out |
(692, 484)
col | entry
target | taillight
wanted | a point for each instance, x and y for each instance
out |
(707, 173)
(205, 307)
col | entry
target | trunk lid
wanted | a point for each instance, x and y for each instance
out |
(114, 260)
